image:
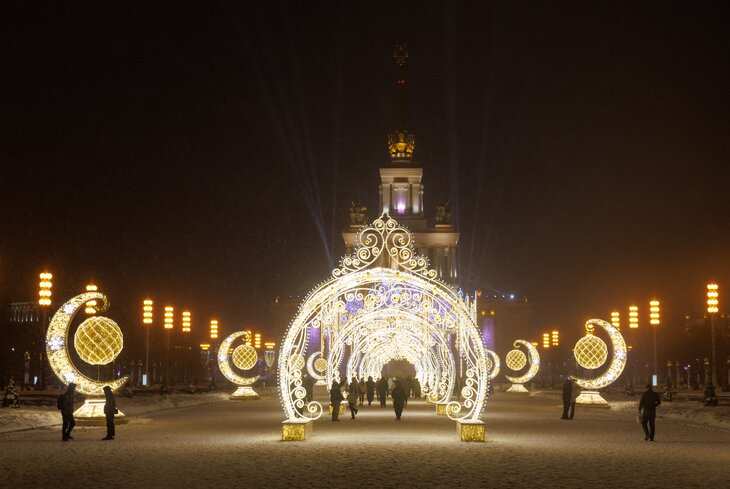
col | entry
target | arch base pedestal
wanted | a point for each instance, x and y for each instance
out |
(470, 430)
(295, 429)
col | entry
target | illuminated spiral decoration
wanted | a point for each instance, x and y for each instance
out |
(618, 357)
(534, 361)
(224, 365)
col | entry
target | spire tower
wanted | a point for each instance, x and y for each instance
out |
(401, 143)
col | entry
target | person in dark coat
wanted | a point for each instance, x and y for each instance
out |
(336, 399)
(353, 393)
(67, 412)
(110, 409)
(370, 388)
(382, 388)
(399, 399)
(567, 388)
(647, 407)
(308, 382)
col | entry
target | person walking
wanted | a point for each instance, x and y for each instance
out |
(574, 392)
(361, 390)
(399, 399)
(336, 399)
(382, 388)
(110, 409)
(352, 395)
(647, 407)
(67, 412)
(370, 388)
(567, 388)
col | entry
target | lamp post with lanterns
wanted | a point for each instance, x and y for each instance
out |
(90, 308)
(712, 308)
(44, 300)
(654, 321)
(147, 306)
(167, 322)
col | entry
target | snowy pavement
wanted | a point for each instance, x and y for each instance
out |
(236, 444)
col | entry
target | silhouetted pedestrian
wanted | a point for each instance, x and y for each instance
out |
(399, 399)
(647, 407)
(110, 409)
(336, 399)
(352, 395)
(67, 412)
(382, 388)
(361, 386)
(370, 388)
(574, 392)
(567, 388)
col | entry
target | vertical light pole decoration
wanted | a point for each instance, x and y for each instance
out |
(616, 320)
(213, 329)
(712, 308)
(44, 300)
(654, 321)
(167, 322)
(546, 340)
(186, 321)
(147, 306)
(555, 338)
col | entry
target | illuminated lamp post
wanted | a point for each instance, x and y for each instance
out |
(147, 306)
(44, 300)
(546, 340)
(257, 341)
(654, 321)
(616, 320)
(186, 321)
(213, 329)
(712, 308)
(633, 326)
(169, 311)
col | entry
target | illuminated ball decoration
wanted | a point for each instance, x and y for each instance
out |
(590, 352)
(245, 357)
(320, 364)
(98, 340)
(516, 360)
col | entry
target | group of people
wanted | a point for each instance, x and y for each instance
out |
(358, 391)
(647, 406)
(65, 404)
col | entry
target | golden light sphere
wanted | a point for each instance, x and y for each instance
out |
(320, 364)
(98, 340)
(516, 360)
(245, 357)
(590, 352)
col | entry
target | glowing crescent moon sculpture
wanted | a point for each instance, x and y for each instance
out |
(311, 362)
(534, 365)
(591, 396)
(244, 390)
(494, 359)
(59, 358)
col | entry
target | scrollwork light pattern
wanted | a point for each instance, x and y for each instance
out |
(366, 307)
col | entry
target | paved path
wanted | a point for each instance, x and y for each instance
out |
(236, 444)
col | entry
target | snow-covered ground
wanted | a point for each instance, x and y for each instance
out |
(236, 444)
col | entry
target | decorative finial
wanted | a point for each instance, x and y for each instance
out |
(400, 54)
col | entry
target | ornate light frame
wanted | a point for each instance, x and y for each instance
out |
(224, 357)
(533, 362)
(618, 358)
(384, 281)
(57, 351)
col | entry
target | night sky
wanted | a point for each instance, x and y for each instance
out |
(206, 153)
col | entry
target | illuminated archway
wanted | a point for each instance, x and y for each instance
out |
(385, 303)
